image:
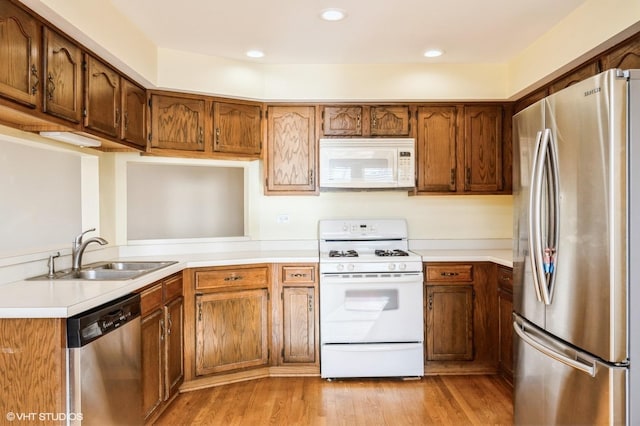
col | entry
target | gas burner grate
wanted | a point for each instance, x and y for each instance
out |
(348, 253)
(395, 252)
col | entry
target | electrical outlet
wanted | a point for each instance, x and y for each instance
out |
(282, 218)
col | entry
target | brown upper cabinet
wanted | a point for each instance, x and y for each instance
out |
(102, 98)
(178, 122)
(133, 127)
(201, 124)
(624, 56)
(237, 128)
(436, 144)
(483, 149)
(20, 70)
(63, 77)
(376, 120)
(585, 71)
(460, 149)
(291, 150)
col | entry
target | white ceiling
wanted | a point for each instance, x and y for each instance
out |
(375, 31)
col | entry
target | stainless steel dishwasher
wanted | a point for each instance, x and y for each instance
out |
(104, 364)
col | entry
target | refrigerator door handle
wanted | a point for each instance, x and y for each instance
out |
(534, 216)
(581, 362)
(543, 251)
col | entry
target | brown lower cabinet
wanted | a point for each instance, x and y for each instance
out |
(461, 325)
(232, 330)
(162, 306)
(231, 322)
(297, 317)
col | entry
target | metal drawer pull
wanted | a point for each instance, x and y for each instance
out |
(298, 275)
(449, 274)
(233, 278)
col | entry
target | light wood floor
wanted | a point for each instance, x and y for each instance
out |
(435, 400)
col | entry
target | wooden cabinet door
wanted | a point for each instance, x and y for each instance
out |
(588, 70)
(152, 330)
(291, 150)
(449, 322)
(102, 98)
(20, 72)
(342, 121)
(63, 77)
(134, 107)
(299, 325)
(625, 56)
(389, 121)
(177, 123)
(174, 371)
(483, 148)
(237, 128)
(436, 148)
(232, 331)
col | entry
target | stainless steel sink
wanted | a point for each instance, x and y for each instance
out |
(108, 271)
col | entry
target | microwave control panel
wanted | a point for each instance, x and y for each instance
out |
(406, 168)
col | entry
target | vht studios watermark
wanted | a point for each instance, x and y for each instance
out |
(43, 417)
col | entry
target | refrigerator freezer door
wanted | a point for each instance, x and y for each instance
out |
(588, 306)
(527, 135)
(549, 390)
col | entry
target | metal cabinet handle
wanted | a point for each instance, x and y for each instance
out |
(201, 136)
(217, 135)
(298, 275)
(233, 278)
(310, 301)
(51, 87)
(170, 325)
(311, 177)
(126, 120)
(117, 122)
(34, 73)
(374, 120)
(358, 121)
(162, 331)
(449, 274)
(430, 302)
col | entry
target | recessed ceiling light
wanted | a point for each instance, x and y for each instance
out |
(333, 14)
(254, 53)
(433, 53)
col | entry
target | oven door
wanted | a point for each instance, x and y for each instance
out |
(371, 308)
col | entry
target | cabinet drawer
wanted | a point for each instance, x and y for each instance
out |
(505, 278)
(298, 274)
(173, 287)
(232, 277)
(151, 299)
(449, 273)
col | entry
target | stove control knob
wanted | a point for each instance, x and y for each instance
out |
(340, 267)
(351, 267)
(403, 266)
(392, 266)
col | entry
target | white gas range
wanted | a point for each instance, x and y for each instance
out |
(371, 300)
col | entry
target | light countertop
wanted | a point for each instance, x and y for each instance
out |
(62, 299)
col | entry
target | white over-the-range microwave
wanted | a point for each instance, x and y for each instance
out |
(367, 163)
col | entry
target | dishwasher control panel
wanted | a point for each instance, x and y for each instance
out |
(88, 326)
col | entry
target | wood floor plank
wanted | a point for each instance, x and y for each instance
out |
(434, 400)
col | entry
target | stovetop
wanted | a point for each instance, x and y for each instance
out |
(361, 246)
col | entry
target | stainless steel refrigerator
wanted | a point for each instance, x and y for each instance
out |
(577, 254)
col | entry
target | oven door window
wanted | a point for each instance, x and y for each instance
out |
(371, 312)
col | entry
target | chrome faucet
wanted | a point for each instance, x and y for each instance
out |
(79, 246)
